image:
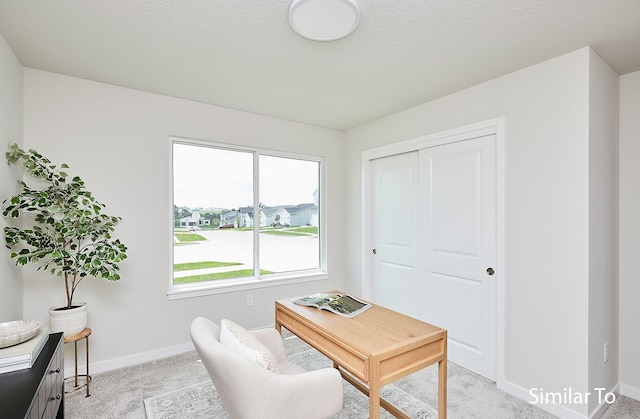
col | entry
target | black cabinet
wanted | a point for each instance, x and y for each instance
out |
(37, 392)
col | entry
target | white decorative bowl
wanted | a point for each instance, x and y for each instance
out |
(13, 333)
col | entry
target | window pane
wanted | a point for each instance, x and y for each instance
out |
(213, 211)
(289, 190)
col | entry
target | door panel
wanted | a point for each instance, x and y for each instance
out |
(458, 207)
(459, 173)
(394, 281)
(457, 295)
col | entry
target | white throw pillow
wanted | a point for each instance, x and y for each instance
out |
(235, 337)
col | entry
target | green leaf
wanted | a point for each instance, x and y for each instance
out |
(67, 235)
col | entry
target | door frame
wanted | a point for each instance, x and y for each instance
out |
(492, 126)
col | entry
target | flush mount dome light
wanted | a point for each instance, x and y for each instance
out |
(324, 20)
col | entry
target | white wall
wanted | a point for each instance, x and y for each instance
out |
(10, 132)
(603, 226)
(117, 140)
(546, 110)
(630, 234)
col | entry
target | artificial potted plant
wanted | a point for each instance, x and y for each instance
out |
(63, 231)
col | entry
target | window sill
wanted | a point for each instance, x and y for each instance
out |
(178, 292)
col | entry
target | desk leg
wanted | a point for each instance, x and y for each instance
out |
(278, 325)
(374, 388)
(442, 388)
(374, 400)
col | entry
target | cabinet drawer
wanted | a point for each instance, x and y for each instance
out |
(54, 400)
(49, 394)
(26, 393)
(54, 370)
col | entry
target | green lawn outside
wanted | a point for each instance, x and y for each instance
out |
(290, 231)
(188, 237)
(216, 276)
(308, 229)
(283, 233)
(179, 267)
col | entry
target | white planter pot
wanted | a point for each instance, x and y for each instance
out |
(70, 321)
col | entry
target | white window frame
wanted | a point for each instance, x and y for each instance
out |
(199, 289)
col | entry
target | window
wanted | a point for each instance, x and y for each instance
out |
(242, 217)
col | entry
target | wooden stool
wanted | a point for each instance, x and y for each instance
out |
(75, 338)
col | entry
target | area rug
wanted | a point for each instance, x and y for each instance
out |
(201, 400)
(195, 401)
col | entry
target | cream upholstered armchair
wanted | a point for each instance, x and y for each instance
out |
(254, 379)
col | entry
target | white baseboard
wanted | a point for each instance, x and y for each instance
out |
(604, 405)
(129, 360)
(629, 391)
(126, 361)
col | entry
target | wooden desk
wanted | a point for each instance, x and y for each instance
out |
(377, 347)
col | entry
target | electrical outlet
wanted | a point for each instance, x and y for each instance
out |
(250, 300)
(606, 352)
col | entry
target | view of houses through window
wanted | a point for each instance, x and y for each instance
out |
(242, 214)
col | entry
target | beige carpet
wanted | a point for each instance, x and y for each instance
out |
(121, 393)
(469, 395)
(201, 401)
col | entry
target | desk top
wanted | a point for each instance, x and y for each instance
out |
(376, 347)
(371, 332)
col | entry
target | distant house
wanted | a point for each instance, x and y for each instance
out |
(242, 217)
(292, 215)
(246, 217)
(194, 220)
(276, 216)
(284, 215)
(306, 215)
(229, 218)
(303, 215)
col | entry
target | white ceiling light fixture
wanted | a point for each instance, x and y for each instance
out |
(324, 20)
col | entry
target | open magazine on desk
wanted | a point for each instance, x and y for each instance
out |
(341, 304)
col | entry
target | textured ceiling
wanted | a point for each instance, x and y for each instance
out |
(242, 54)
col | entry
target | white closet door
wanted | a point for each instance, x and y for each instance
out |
(394, 233)
(458, 249)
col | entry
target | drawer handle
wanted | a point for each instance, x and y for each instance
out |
(55, 371)
(58, 397)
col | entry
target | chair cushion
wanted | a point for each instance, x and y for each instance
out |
(236, 338)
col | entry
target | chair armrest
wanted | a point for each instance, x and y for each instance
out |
(317, 394)
(272, 340)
